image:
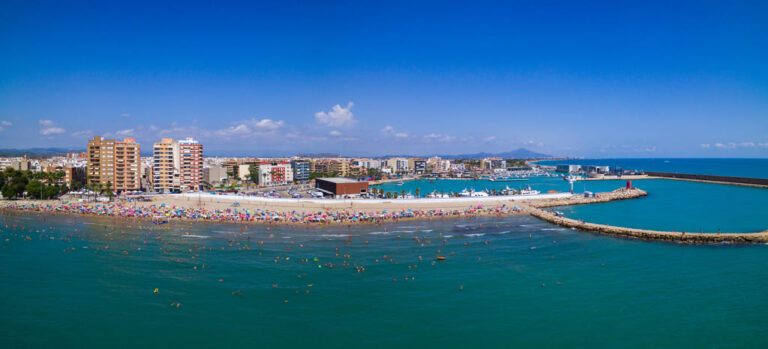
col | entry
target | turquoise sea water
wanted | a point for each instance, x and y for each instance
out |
(670, 204)
(542, 184)
(755, 168)
(680, 206)
(88, 283)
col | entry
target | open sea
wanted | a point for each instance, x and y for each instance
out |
(512, 282)
(755, 168)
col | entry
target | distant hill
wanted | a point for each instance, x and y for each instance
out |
(318, 155)
(520, 153)
(37, 152)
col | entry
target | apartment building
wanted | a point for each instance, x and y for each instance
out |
(166, 166)
(301, 170)
(115, 163)
(275, 173)
(191, 157)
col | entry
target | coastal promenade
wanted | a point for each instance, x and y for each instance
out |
(221, 202)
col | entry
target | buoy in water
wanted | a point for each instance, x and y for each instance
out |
(440, 258)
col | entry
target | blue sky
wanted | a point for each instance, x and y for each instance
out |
(597, 79)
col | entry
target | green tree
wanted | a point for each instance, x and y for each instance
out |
(108, 189)
(402, 192)
(35, 189)
(389, 195)
(253, 173)
(418, 193)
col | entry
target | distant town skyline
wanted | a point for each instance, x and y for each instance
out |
(598, 80)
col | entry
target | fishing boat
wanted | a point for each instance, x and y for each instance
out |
(529, 191)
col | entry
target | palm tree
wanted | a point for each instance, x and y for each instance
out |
(108, 189)
(418, 192)
(389, 195)
(402, 192)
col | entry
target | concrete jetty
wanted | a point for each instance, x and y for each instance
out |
(618, 194)
(536, 209)
(743, 181)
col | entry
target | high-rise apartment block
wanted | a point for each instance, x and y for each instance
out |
(177, 165)
(191, 164)
(115, 163)
(166, 166)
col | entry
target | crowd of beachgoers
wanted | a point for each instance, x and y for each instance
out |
(162, 213)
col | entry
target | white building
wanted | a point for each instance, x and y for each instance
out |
(398, 164)
(276, 173)
(369, 163)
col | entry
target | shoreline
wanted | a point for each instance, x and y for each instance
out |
(346, 215)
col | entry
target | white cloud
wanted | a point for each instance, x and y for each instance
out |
(126, 115)
(763, 145)
(45, 123)
(389, 131)
(705, 145)
(730, 145)
(83, 133)
(6, 123)
(335, 133)
(490, 139)
(439, 137)
(183, 131)
(747, 144)
(49, 131)
(251, 127)
(337, 117)
(125, 133)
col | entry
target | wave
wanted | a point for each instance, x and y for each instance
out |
(196, 236)
(335, 235)
(380, 233)
(475, 235)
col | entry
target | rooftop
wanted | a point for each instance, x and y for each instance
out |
(338, 180)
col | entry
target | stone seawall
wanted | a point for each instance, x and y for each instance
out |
(618, 194)
(758, 182)
(697, 238)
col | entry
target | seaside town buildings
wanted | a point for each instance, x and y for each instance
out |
(214, 175)
(300, 171)
(191, 157)
(180, 166)
(493, 163)
(177, 165)
(275, 173)
(114, 163)
(166, 166)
